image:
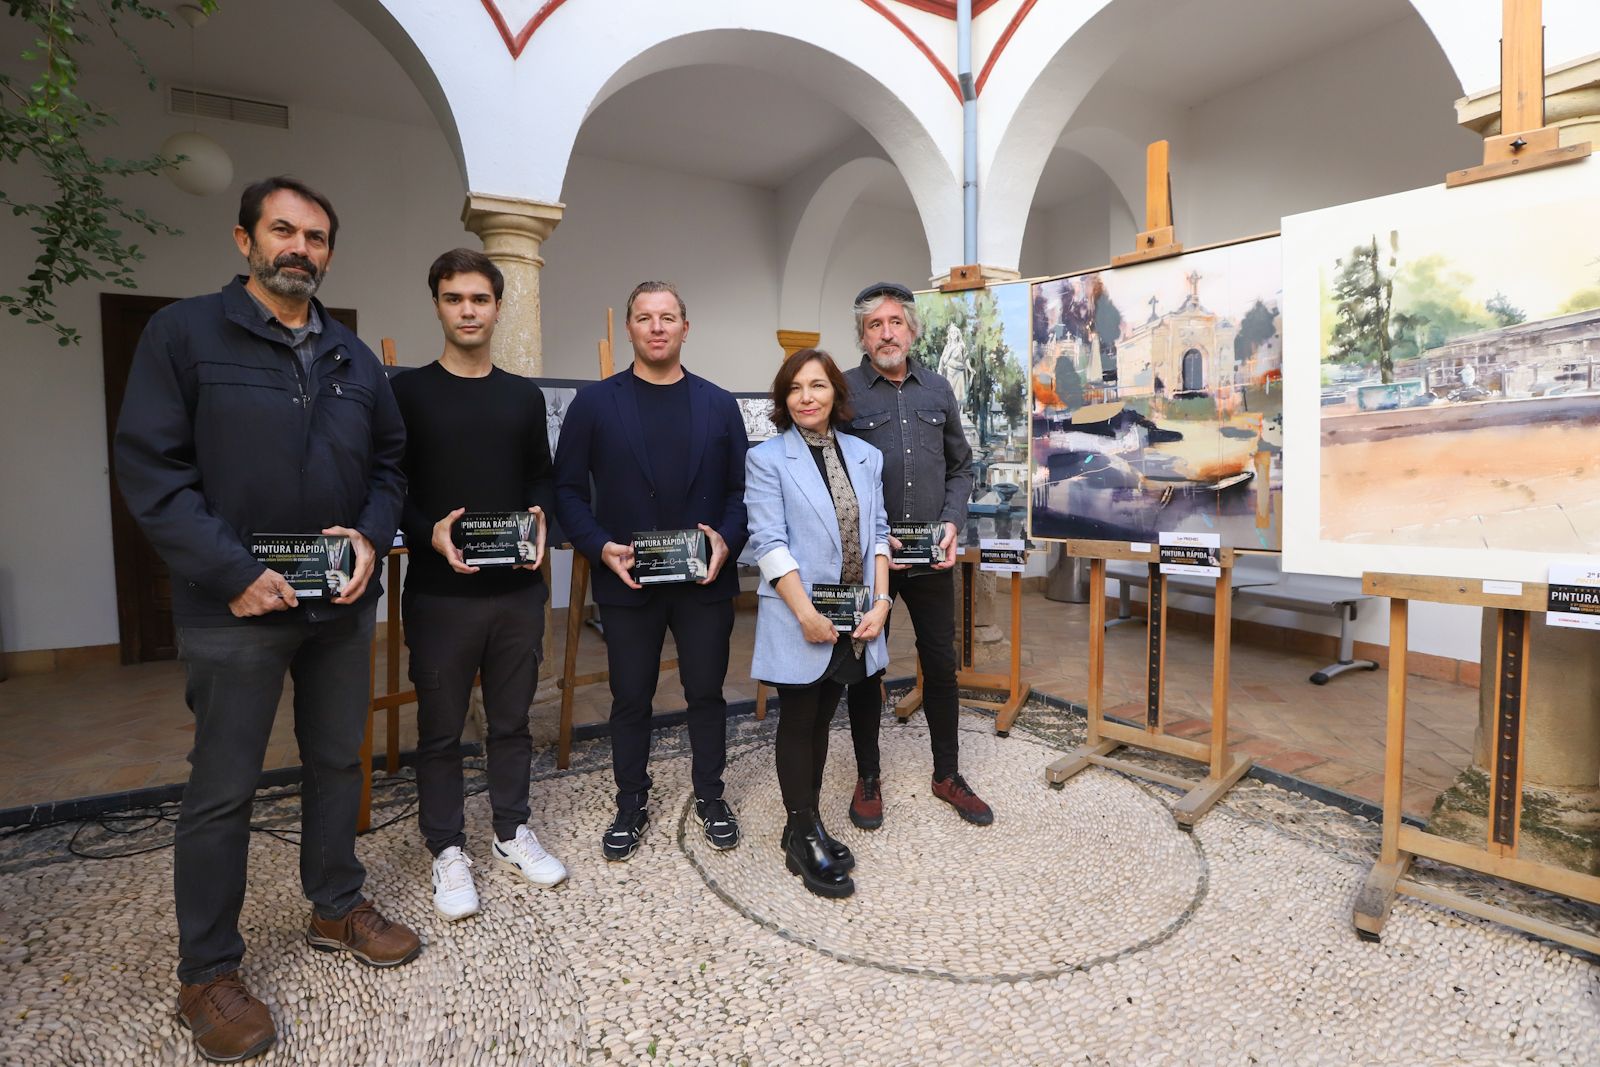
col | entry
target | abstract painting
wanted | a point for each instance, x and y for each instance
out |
(979, 341)
(1158, 399)
(1444, 379)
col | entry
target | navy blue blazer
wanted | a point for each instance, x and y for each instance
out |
(605, 490)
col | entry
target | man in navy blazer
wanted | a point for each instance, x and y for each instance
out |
(663, 449)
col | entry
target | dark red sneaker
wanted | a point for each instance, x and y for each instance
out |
(866, 806)
(955, 791)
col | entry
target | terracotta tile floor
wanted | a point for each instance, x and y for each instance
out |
(109, 729)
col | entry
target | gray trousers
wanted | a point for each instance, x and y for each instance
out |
(235, 679)
(452, 639)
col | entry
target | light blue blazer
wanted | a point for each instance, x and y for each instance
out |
(793, 527)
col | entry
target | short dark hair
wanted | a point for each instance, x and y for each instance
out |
(256, 192)
(655, 287)
(465, 261)
(841, 412)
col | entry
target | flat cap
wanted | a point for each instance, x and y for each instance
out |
(894, 289)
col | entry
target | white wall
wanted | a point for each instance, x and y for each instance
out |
(1373, 116)
(876, 243)
(399, 197)
(717, 241)
(1076, 235)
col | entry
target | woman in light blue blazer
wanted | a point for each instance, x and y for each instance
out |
(815, 504)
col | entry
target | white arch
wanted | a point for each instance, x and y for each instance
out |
(519, 118)
(1045, 75)
(806, 264)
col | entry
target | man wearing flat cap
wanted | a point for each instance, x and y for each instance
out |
(914, 418)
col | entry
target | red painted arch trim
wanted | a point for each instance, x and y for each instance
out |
(947, 8)
(921, 45)
(516, 44)
(1000, 45)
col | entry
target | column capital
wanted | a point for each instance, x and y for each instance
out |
(511, 228)
(792, 341)
(1571, 102)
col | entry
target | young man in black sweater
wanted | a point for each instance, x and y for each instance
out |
(476, 441)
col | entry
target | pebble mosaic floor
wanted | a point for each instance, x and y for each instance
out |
(1082, 927)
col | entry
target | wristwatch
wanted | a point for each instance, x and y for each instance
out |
(883, 598)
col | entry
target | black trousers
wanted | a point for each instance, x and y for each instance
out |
(930, 600)
(804, 713)
(235, 678)
(451, 640)
(634, 638)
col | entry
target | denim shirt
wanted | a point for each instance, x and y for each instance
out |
(916, 424)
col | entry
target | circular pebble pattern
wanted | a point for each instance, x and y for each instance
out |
(641, 963)
(938, 897)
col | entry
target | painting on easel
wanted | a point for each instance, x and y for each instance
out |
(1157, 399)
(1445, 354)
(978, 339)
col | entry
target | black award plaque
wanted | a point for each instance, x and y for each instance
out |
(661, 556)
(842, 605)
(314, 565)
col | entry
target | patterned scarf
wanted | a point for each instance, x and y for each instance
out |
(845, 507)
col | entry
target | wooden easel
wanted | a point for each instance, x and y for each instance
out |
(1106, 737)
(577, 595)
(1498, 856)
(1155, 241)
(967, 675)
(392, 699)
(1524, 144)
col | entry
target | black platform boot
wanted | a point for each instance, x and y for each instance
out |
(807, 855)
(837, 848)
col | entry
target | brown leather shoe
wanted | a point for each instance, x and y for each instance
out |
(366, 935)
(955, 792)
(866, 806)
(228, 1023)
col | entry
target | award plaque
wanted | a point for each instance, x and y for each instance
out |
(842, 605)
(1190, 553)
(661, 556)
(496, 538)
(919, 542)
(314, 565)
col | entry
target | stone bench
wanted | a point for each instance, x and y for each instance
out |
(1259, 579)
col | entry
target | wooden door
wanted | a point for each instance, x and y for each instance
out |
(144, 585)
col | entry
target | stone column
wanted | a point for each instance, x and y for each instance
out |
(512, 231)
(1561, 746)
(990, 618)
(792, 341)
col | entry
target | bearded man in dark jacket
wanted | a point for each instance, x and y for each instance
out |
(251, 411)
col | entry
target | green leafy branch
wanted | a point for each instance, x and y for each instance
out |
(44, 123)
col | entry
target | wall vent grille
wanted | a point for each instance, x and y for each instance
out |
(198, 102)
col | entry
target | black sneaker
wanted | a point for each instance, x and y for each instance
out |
(621, 838)
(722, 829)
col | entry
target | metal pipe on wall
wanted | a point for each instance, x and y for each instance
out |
(969, 132)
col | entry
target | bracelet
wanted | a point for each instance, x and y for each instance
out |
(884, 598)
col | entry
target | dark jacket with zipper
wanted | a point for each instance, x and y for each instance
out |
(222, 435)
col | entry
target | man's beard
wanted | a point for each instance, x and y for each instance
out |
(273, 277)
(883, 361)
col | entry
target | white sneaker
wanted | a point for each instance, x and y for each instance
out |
(528, 858)
(454, 895)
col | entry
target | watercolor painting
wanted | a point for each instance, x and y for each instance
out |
(979, 341)
(1446, 346)
(1158, 399)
